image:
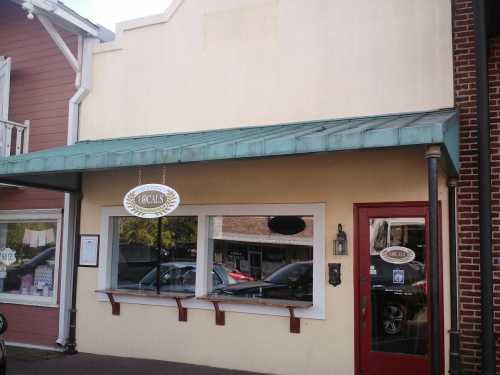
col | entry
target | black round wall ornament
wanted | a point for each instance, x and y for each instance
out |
(287, 225)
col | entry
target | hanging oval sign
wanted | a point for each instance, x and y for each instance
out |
(397, 255)
(151, 201)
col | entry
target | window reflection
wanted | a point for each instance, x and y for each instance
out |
(398, 285)
(264, 262)
(136, 254)
(27, 258)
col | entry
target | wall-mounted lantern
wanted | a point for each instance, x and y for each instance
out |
(340, 243)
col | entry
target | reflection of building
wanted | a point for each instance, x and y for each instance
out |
(246, 244)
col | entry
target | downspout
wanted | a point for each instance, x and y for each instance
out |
(454, 359)
(66, 311)
(77, 201)
(487, 323)
(432, 154)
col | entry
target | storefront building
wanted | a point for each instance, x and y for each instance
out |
(39, 94)
(312, 145)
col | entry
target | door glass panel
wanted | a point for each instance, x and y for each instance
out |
(398, 285)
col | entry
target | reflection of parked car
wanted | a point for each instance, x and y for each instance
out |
(397, 303)
(179, 277)
(240, 276)
(3, 352)
(291, 282)
(15, 272)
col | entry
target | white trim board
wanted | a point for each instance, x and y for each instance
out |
(203, 259)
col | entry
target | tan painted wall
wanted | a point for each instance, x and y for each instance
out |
(233, 63)
(254, 342)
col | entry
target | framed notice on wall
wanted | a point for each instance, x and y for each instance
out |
(89, 250)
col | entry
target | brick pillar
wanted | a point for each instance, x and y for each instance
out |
(468, 193)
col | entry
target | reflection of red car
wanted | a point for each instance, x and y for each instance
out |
(240, 276)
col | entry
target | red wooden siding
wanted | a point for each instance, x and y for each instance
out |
(31, 324)
(42, 82)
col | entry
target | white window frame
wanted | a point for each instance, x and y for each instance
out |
(203, 261)
(19, 216)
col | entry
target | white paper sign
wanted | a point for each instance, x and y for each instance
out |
(7, 256)
(89, 246)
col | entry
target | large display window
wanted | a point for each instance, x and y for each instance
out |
(269, 256)
(29, 252)
(252, 252)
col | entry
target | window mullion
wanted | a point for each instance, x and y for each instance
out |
(202, 257)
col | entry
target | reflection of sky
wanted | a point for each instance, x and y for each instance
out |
(109, 12)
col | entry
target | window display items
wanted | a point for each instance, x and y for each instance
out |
(29, 269)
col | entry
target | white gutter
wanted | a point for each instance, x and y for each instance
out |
(67, 260)
(83, 87)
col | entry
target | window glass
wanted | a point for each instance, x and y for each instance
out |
(398, 285)
(135, 256)
(27, 258)
(266, 256)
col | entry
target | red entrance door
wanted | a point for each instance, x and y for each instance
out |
(392, 300)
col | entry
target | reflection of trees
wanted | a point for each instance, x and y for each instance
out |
(176, 231)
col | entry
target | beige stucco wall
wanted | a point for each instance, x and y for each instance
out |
(248, 341)
(232, 63)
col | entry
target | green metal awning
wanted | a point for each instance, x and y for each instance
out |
(58, 168)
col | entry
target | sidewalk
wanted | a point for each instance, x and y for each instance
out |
(22, 361)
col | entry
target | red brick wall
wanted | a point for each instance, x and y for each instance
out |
(42, 83)
(494, 102)
(468, 193)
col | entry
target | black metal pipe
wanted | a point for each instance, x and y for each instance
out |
(454, 311)
(158, 263)
(485, 249)
(71, 344)
(432, 155)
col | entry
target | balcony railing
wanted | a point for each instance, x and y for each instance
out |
(14, 138)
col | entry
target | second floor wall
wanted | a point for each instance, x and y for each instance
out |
(41, 80)
(209, 64)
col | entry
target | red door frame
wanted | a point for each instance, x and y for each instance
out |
(356, 253)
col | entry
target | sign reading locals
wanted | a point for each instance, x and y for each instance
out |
(151, 201)
(397, 255)
(7, 256)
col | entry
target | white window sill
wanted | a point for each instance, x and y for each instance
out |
(203, 303)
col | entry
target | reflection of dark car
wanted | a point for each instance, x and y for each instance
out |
(291, 282)
(3, 352)
(14, 273)
(179, 277)
(398, 293)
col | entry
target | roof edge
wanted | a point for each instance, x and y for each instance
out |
(138, 23)
(67, 18)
